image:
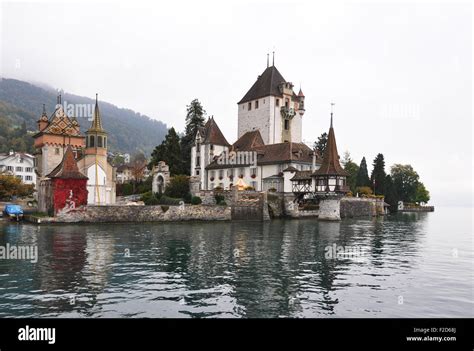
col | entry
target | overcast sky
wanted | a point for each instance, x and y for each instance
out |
(400, 74)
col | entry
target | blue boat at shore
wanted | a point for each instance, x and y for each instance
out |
(13, 211)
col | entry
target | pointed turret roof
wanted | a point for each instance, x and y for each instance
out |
(300, 94)
(267, 84)
(96, 125)
(331, 165)
(67, 169)
(212, 134)
(44, 116)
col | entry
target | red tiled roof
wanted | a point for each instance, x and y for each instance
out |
(67, 169)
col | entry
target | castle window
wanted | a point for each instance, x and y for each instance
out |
(278, 102)
(29, 178)
(105, 142)
(99, 141)
(250, 106)
(287, 124)
(256, 104)
(197, 172)
(19, 169)
(287, 103)
(29, 169)
(212, 147)
(198, 161)
(10, 168)
(91, 141)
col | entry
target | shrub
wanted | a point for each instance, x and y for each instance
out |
(222, 203)
(178, 187)
(249, 188)
(196, 200)
(187, 199)
(166, 200)
(218, 188)
(219, 199)
(364, 190)
(147, 197)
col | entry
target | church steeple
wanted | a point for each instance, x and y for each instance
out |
(96, 139)
(96, 121)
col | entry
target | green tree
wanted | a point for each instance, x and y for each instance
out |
(321, 143)
(391, 195)
(352, 168)
(178, 187)
(194, 120)
(421, 195)
(405, 180)
(362, 178)
(378, 175)
(170, 152)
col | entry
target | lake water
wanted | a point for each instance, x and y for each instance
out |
(408, 265)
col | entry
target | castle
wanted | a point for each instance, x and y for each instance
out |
(60, 133)
(269, 147)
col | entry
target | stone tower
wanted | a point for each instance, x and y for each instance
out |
(272, 107)
(330, 181)
(53, 136)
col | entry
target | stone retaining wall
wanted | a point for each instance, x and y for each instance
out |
(361, 207)
(160, 213)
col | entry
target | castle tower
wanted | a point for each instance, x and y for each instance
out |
(53, 137)
(94, 163)
(272, 107)
(330, 180)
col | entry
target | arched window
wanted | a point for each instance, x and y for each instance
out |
(105, 142)
(91, 141)
(99, 141)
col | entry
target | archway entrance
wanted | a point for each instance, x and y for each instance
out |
(161, 183)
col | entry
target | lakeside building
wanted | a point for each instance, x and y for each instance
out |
(20, 165)
(269, 148)
(60, 132)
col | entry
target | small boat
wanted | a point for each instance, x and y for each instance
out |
(13, 211)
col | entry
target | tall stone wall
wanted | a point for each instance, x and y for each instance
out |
(359, 207)
(329, 209)
(116, 213)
